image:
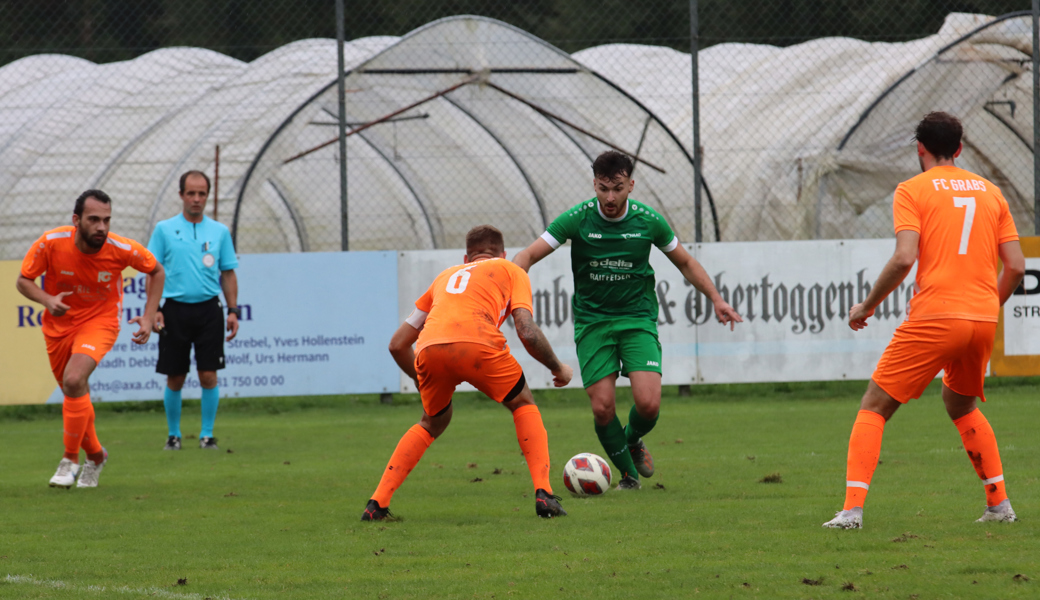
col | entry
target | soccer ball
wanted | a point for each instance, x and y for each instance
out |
(586, 475)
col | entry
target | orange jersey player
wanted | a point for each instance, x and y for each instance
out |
(958, 228)
(82, 268)
(456, 324)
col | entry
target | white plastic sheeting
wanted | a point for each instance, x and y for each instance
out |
(800, 142)
(510, 146)
(503, 131)
(773, 121)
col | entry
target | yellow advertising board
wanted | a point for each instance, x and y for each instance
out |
(24, 368)
(1016, 349)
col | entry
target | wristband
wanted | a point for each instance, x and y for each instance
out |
(235, 311)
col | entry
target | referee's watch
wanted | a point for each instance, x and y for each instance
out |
(234, 310)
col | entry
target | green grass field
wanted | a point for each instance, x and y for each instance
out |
(275, 513)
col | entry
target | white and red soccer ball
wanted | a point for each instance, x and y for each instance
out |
(586, 475)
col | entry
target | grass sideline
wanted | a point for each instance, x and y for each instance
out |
(278, 515)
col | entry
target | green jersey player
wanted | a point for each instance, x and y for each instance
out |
(615, 305)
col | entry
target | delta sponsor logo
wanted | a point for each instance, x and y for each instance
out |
(611, 264)
(629, 236)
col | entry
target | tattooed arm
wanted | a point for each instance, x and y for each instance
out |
(538, 347)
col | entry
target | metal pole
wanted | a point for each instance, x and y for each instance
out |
(342, 98)
(216, 182)
(1036, 117)
(696, 106)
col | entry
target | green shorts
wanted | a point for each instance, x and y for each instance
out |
(611, 346)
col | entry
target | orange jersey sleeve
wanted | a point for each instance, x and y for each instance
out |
(904, 212)
(425, 302)
(468, 303)
(521, 297)
(139, 257)
(962, 219)
(36, 259)
(1007, 232)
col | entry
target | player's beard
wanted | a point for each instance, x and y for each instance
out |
(94, 242)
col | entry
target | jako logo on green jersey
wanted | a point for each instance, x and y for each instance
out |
(617, 264)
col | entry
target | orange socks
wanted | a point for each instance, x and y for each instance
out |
(534, 442)
(78, 420)
(981, 444)
(864, 450)
(409, 450)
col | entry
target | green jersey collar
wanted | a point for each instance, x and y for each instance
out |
(615, 219)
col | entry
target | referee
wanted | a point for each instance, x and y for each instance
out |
(199, 258)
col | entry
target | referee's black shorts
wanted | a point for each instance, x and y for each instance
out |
(201, 324)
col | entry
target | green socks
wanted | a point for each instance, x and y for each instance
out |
(638, 426)
(612, 437)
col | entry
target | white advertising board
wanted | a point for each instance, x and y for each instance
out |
(312, 324)
(1022, 315)
(794, 297)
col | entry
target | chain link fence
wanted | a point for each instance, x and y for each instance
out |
(806, 111)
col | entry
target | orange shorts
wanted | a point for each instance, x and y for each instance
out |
(441, 367)
(920, 349)
(91, 338)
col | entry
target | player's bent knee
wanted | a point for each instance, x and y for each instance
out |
(207, 379)
(648, 409)
(877, 400)
(74, 387)
(519, 396)
(175, 382)
(436, 424)
(603, 413)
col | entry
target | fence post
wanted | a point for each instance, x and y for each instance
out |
(342, 98)
(1036, 117)
(696, 106)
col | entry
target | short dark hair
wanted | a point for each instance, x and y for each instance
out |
(484, 239)
(184, 178)
(98, 195)
(612, 164)
(940, 133)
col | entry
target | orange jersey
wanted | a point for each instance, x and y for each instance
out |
(468, 303)
(95, 280)
(962, 219)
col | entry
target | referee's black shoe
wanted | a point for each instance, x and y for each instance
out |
(172, 443)
(208, 443)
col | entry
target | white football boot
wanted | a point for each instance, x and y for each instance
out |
(91, 472)
(1002, 513)
(66, 474)
(847, 519)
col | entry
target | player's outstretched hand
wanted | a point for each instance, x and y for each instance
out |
(141, 335)
(232, 326)
(55, 305)
(858, 316)
(727, 314)
(563, 375)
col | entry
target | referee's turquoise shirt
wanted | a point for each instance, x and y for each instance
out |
(193, 255)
